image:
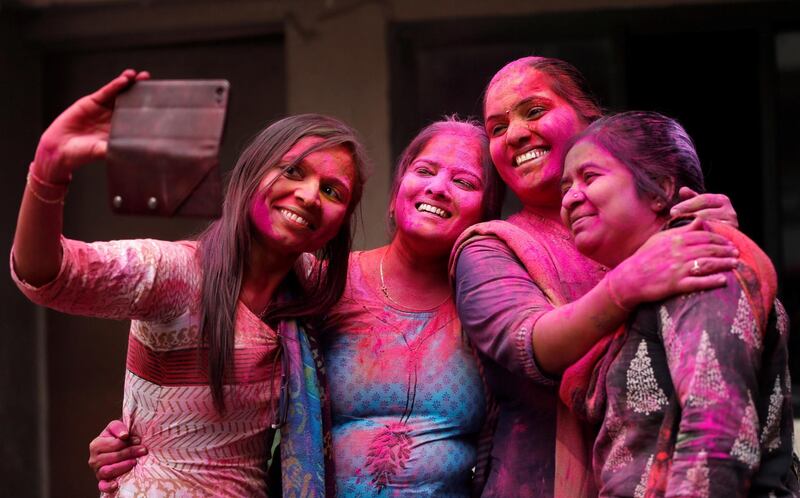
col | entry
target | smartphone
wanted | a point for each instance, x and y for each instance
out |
(163, 148)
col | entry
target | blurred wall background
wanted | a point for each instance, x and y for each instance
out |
(728, 70)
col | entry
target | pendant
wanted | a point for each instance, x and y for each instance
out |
(388, 454)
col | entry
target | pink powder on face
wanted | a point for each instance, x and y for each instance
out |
(441, 192)
(608, 219)
(301, 210)
(524, 116)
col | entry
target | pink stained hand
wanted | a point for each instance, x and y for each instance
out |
(80, 134)
(675, 261)
(710, 207)
(113, 453)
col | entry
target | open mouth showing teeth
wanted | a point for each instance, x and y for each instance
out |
(427, 208)
(531, 155)
(296, 218)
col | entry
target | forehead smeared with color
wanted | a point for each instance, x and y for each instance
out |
(515, 67)
(515, 70)
(561, 77)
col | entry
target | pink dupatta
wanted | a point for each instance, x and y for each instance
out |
(548, 254)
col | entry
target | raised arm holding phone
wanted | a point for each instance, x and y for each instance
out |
(217, 350)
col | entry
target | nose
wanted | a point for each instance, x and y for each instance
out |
(518, 132)
(307, 193)
(571, 198)
(437, 186)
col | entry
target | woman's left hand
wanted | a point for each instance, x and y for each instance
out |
(712, 207)
(675, 261)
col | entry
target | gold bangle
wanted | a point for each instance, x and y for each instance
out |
(45, 183)
(613, 295)
(30, 185)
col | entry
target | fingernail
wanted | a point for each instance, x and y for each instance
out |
(141, 451)
(123, 435)
(136, 440)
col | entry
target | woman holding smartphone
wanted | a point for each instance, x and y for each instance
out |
(217, 354)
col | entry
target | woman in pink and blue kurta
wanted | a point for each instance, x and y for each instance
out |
(214, 322)
(694, 393)
(407, 398)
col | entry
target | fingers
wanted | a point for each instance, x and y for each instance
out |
(701, 266)
(688, 236)
(107, 444)
(113, 470)
(689, 249)
(107, 486)
(113, 445)
(724, 215)
(699, 202)
(695, 284)
(98, 150)
(106, 95)
(117, 428)
(686, 193)
(716, 207)
(109, 460)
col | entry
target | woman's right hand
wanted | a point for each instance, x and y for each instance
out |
(79, 135)
(112, 454)
(675, 261)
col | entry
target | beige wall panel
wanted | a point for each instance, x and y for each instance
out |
(336, 64)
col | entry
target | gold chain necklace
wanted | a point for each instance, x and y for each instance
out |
(385, 290)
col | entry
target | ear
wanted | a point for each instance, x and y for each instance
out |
(667, 184)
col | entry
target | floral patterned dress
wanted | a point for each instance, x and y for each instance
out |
(407, 397)
(507, 275)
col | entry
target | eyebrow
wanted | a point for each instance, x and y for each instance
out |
(522, 103)
(455, 169)
(464, 171)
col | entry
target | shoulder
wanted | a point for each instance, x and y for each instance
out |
(496, 235)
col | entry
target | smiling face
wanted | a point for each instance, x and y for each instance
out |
(608, 218)
(301, 208)
(528, 125)
(441, 192)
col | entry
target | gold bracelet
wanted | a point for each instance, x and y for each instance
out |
(613, 295)
(45, 183)
(31, 182)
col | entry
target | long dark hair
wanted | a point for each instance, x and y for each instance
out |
(225, 245)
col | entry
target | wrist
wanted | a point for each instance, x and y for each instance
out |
(617, 292)
(44, 190)
(46, 167)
